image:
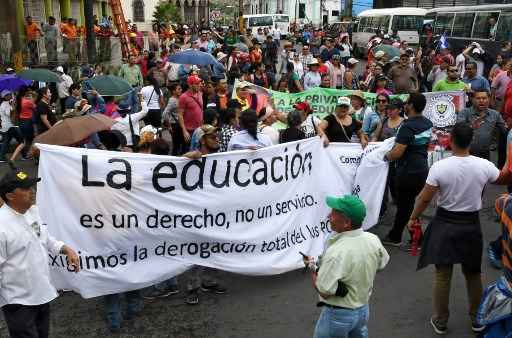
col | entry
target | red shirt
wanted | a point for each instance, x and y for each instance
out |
(507, 105)
(27, 109)
(192, 106)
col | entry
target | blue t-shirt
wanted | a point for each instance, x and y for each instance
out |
(415, 133)
(478, 83)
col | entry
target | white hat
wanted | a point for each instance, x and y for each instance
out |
(185, 27)
(343, 101)
(352, 61)
(148, 129)
(379, 54)
(313, 61)
(59, 69)
(9, 70)
(477, 51)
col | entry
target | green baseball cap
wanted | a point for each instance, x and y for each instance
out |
(350, 206)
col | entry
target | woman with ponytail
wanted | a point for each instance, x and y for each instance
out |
(249, 137)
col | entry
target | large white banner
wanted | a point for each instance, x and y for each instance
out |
(137, 219)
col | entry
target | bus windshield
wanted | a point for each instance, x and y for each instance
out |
(260, 21)
(407, 23)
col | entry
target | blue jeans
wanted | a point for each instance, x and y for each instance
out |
(343, 323)
(113, 304)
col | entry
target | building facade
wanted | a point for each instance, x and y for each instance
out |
(12, 20)
(141, 12)
(317, 12)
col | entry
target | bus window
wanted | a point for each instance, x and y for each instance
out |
(463, 25)
(384, 23)
(260, 21)
(362, 24)
(407, 23)
(504, 31)
(369, 25)
(444, 23)
(483, 27)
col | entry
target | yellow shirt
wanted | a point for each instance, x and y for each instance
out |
(352, 257)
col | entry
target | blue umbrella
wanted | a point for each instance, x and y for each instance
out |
(193, 57)
(12, 82)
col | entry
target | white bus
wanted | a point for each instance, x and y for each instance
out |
(254, 21)
(465, 24)
(407, 21)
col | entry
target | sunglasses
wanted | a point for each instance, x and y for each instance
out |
(454, 70)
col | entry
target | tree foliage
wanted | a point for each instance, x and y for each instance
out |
(166, 13)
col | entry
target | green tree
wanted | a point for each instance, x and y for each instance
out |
(166, 13)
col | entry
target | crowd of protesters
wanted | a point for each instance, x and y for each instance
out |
(191, 111)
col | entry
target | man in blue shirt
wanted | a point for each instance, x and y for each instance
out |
(476, 83)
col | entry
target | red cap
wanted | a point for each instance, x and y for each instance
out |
(302, 106)
(193, 80)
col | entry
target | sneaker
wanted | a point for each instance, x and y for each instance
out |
(494, 259)
(477, 328)
(192, 298)
(389, 242)
(438, 327)
(155, 293)
(215, 288)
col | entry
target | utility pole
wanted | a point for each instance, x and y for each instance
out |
(89, 31)
(241, 27)
(349, 8)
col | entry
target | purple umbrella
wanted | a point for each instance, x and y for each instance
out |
(12, 82)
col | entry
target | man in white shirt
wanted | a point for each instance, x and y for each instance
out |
(25, 286)
(129, 124)
(276, 34)
(454, 235)
(63, 86)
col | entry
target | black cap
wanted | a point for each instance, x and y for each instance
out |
(15, 179)
(395, 103)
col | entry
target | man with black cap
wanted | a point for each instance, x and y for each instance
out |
(25, 286)
(344, 279)
(201, 277)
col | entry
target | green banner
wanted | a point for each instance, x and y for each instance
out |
(322, 100)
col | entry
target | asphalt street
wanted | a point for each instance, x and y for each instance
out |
(281, 306)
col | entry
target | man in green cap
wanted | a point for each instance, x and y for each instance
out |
(344, 279)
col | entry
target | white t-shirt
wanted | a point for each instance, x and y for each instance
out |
(147, 92)
(461, 181)
(310, 126)
(271, 132)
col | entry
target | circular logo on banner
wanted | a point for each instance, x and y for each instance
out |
(441, 111)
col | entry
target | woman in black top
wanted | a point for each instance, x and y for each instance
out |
(44, 118)
(340, 126)
(293, 132)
